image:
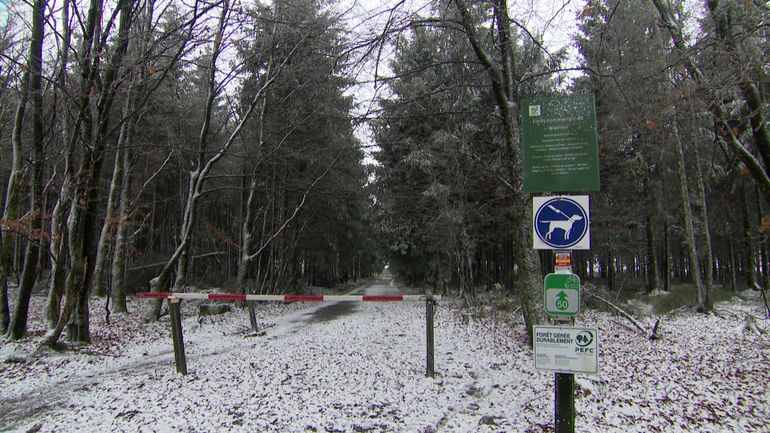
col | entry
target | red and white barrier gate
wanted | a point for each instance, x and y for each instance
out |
(174, 299)
(284, 298)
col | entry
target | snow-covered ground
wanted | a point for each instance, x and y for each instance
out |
(365, 372)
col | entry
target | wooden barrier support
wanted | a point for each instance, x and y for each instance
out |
(176, 334)
(430, 358)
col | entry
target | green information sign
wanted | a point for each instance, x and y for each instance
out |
(560, 145)
(562, 294)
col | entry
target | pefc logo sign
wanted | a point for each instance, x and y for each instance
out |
(584, 341)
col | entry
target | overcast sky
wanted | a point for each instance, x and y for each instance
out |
(552, 20)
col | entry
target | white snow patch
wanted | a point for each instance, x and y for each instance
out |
(365, 372)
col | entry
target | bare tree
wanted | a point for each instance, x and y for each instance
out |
(120, 171)
(18, 325)
(93, 122)
(204, 164)
(57, 245)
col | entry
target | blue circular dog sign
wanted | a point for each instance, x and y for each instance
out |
(560, 222)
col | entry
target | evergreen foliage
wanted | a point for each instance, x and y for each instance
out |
(177, 145)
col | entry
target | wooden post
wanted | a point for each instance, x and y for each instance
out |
(176, 334)
(252, 305)
(429, 302)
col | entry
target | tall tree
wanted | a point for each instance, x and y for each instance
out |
(504, 78)
(728, 19)
(303, 146)
(690, 238)
(625, 67)
(438, 184)
(57, 245)
(18, 325)
(138, 87)
(93, 122)
(204, 163)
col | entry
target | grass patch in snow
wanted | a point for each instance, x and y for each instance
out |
(682, 295)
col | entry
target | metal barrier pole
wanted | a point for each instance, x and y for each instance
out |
(429, 302)
(176, 334)
(564, 383)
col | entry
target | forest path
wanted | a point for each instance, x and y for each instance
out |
(336, 310)
(44, 393)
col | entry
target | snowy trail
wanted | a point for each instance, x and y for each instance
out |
(362, 370)
(305, 346)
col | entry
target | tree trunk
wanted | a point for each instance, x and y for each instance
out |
(705, 300)
(56, 247)
(503, 80)
(684, 191)
(762, 232)
(666, 258)
(733, 266)
(248, 227)
(18, 325)
(58, 252)
(120, 258)
(748, 243)
(11, 212)
(107, 233)
(652, 270)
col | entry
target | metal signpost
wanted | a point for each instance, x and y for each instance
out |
(562, 348)
(561, 154)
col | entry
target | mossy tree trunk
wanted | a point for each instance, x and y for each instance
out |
(18, 325)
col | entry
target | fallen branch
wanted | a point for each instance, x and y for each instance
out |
(635, 322)
(673, 312)
(749, 325)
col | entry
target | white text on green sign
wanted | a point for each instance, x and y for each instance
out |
(560, 144)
